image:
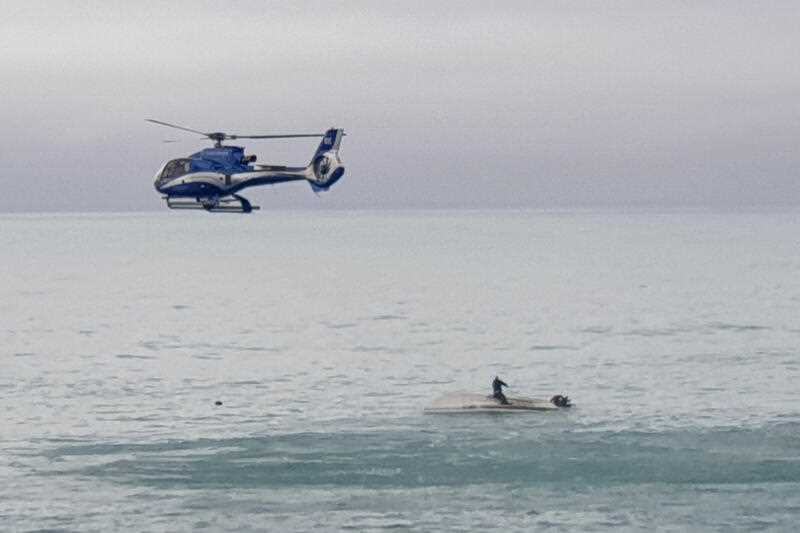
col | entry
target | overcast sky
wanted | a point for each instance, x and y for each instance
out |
(446, 104)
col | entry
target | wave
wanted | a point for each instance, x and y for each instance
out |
(433, 456)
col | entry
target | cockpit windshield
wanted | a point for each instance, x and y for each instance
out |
(175, 168)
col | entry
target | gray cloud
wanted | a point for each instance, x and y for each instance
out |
(458, 103)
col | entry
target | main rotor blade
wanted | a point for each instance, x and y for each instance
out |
(175, 126)
(290, 136)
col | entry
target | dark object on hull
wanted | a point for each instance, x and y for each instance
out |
(497, 390)
(560, 401)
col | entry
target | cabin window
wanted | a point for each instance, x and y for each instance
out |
(176, 168)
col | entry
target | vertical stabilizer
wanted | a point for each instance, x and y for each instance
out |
(326, 166)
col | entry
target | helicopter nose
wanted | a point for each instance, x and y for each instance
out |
(158, 182)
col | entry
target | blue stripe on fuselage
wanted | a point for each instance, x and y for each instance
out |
(196, 190)
(192, 190)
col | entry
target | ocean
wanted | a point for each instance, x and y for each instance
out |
(325, 334)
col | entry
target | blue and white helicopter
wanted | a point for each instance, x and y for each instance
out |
(210, 178)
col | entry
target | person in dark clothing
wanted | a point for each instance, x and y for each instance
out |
(497, 390)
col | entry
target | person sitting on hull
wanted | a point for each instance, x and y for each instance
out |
(497, 390)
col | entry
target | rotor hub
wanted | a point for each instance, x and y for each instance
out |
(217, 137)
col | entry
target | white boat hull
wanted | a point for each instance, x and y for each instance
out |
(472, 403)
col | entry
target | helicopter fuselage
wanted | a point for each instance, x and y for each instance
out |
(220, 171)
(211, 177)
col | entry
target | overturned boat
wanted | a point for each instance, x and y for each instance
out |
(465, 402)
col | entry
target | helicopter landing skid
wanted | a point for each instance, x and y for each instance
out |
(228, 204)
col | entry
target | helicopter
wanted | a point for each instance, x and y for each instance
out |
(211, 178)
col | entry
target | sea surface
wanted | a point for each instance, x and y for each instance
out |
(326, 334)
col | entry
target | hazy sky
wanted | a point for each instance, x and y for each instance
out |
(492, 104)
